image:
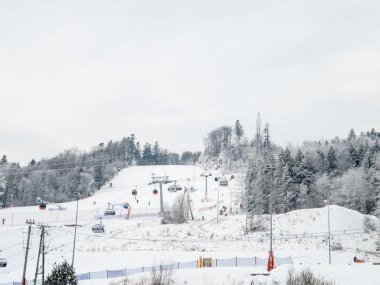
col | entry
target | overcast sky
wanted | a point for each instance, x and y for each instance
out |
(76, 73)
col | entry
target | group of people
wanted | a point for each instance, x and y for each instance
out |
(358, 260)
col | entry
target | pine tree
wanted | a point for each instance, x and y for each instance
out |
(32, 163)
(301, 173)
(331, 161)
(354, 156)
(137, 153)
(99, 174)
(156, 153)
(62, 274)
(239, 131)
(4, 160)
(147, 154)
(351, 134)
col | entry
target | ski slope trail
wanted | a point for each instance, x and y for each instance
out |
(145, 202)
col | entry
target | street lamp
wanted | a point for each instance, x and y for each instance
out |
(328, 222)
(58, 209)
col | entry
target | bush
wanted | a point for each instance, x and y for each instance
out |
(369, 225)
(305, 277)
(336, 246)
(178, 211)
(62, 274)
(162, 275)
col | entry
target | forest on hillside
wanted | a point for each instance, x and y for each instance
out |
(342, 171)
(59, 178)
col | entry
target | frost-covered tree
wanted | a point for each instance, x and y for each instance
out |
(156, 154)
(351, 134)
(3, 160)
(239, 131)
(331, 161)
(62, 274)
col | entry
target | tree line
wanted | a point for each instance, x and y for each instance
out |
(59, 178)
(342, 171)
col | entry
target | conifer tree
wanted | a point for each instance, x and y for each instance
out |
(331, 161)
(156, 153)
(4, 160)
(239, 131)
(62, 274)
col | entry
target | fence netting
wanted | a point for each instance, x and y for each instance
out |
(230, 262)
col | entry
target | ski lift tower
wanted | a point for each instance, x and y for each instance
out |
(160, 180)
(206, 174)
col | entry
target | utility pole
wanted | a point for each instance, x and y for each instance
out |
(269, 168)
(160, 180)
(75, 230)
(206, 174)
(38, 260)
(30, 223)
(41, 251)
(43, 254)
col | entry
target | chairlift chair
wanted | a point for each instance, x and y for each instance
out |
(174, 187)
(155, 192)
(3, 262)
(98, 228)
(223, 183)
(42, 206)
(134, 192)
(110, 211)
(125, 205)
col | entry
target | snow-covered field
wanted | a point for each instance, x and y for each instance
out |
(145, 241)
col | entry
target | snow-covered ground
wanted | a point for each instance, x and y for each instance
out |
(145, 241)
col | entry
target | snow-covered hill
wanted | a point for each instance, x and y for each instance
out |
(144, 241)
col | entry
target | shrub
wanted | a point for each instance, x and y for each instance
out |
(178, 211)
(305, 277)
(336, 246)
(162, 275)
(369, 225)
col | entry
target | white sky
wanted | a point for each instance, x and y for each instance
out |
(76, 73)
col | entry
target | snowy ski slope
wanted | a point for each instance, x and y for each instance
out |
(144, 241)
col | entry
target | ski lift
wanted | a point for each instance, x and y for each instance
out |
(216, 179)
(174, 187)
(155, 192)
(42, 206)
(192, 189)
(223, 183)
(134, 192)
(125, 205)
(232, 177)
(110, 211)
(98, 228)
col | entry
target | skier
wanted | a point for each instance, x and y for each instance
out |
(3, 220)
